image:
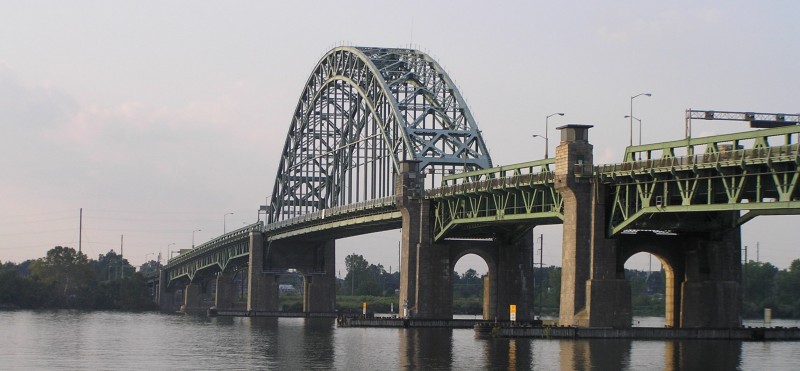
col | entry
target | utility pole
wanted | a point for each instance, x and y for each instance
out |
(80, 230)
(541, 272)
(121, 272)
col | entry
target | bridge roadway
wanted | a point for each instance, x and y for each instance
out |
(663, 191)
(381, 139)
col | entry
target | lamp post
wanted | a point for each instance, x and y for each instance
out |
(640, 126)
(631, 115)
(546, 140)
(168, 251)
(223, 222)
(196, 230)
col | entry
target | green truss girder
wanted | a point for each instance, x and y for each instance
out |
(217, 253)
(516, 193)
(759, 180)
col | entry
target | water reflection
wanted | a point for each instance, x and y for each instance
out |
(294, 343)
(426, 348)
(594, 354)
(75, 340)
(508, 354)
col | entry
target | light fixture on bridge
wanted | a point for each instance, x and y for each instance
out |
(631, 115)
(224, 229)
(640, 130)
(196, 230)
(546, 129)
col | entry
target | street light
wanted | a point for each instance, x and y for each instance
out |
(640, 126)
(196, 230)
(637, 95)
(546, 140)
(168, 251)
(223, 222)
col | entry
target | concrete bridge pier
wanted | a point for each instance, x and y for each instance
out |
(196, 297)
(319, 289)
(592, 293)
(262, 288)
(425, 282)
(711, 293)
(514, 278)
(166, 299)
(227, 291)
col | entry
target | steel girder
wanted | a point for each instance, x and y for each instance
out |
(216, 254)
(501, 202)
(754, 172)
(361, 112)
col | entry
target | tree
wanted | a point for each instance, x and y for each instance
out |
(758, 287)
(64, 269)
(787, 284)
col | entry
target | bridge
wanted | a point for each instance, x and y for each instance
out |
(382, 139)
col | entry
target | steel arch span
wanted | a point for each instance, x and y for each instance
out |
(362, 111)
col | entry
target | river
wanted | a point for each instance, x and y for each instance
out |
(72, 340)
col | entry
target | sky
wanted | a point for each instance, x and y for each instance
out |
(159, 119)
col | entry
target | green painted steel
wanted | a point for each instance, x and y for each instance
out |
(505, 199)
(216, 254)
(678, 186)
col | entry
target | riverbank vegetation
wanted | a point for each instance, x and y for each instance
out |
(65, 278)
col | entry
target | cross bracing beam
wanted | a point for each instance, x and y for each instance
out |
(686, 148)
(361, 112)
(380, 212)
(667, 192)
(485, 203)
(218, 254)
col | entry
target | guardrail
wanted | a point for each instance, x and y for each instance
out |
(214, 243)
(332, 212)
(507, 171)
(722, 158)
(543, 177)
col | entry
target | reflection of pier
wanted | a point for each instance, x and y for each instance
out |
(654, 333)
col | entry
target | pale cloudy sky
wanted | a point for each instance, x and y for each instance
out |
(158, 118)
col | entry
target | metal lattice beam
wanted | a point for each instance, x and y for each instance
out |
(361, 112)
(754, 172)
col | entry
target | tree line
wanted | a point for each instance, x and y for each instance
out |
(65, 278)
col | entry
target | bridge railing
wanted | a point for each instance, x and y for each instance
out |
(545, 177)
(507, 171)
(236, 235)
(332, 212)
(722, 158)
(717, 143)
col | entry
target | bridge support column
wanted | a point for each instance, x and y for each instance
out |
(262, 288)
(166, 299)
(193, 298)
(592, 295)
(319, 290)
(711, 294)
(226, 291)
(514, 279)
(425, 282)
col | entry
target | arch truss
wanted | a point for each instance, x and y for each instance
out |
(362, 111)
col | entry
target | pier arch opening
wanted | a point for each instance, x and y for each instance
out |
(471, 286)
(652, 282)
(290, 291)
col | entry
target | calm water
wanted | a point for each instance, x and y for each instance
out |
(66, 340)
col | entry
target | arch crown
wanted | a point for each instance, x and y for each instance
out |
(362, 111)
